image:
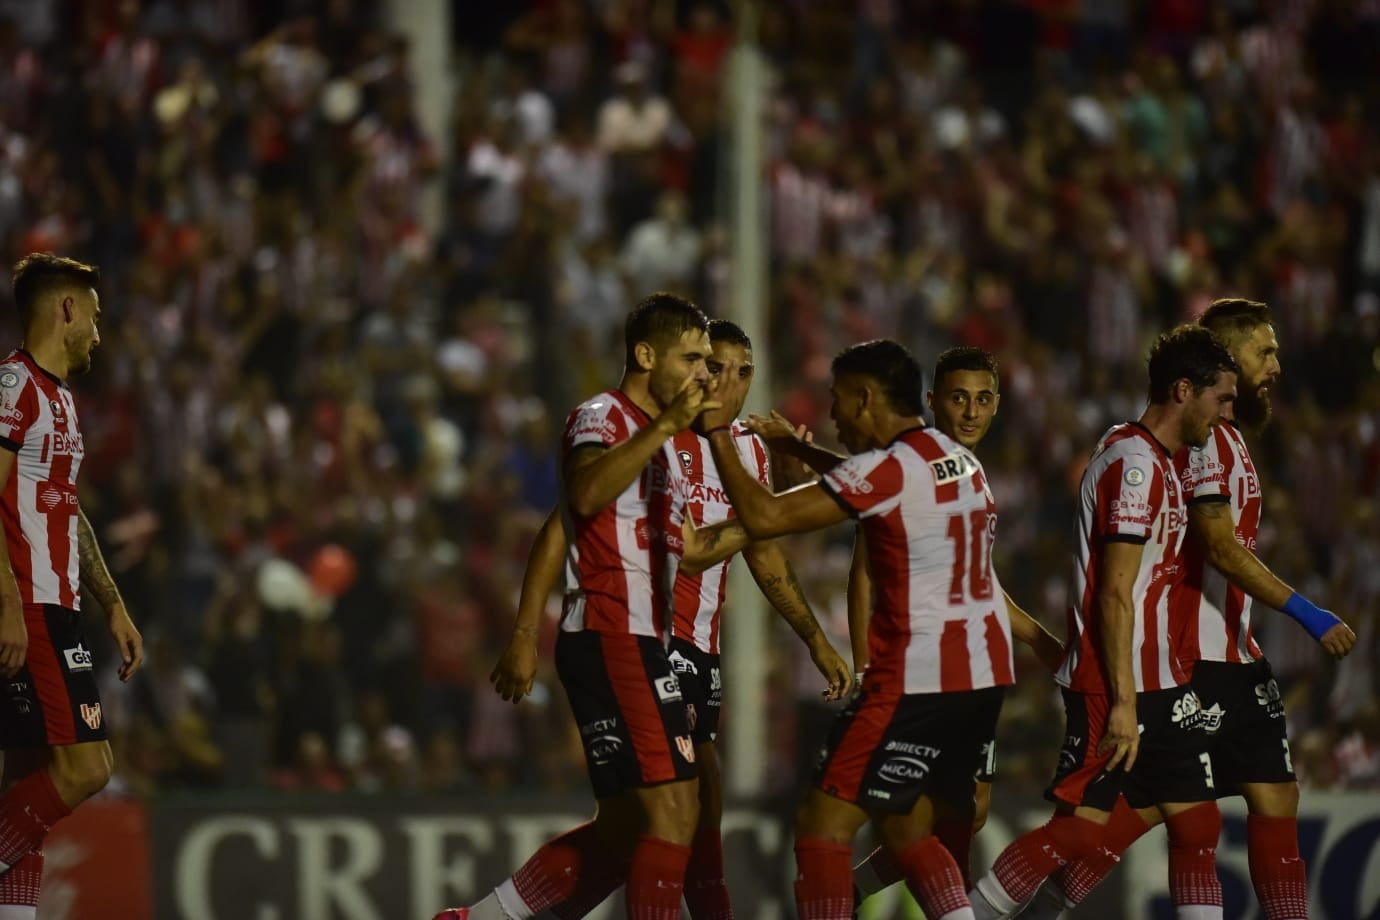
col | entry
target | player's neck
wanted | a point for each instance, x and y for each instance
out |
(634, 386)
(896, 426)
(1163, 425)
(51, 356)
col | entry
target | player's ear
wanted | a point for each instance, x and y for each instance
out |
(645, 355)
(996, 402)
(929, 399)
(68, 310)
(1183, 389)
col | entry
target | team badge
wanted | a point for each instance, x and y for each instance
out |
(1135, 476)
(687, 459)
(8, 379)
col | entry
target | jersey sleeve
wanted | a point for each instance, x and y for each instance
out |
(18, 409)
(597, 423)
(1203, 473)
(1130, 492)
(755, 456)
(867, 484)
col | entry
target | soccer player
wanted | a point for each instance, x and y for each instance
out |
(52, 729)
(1244, 715)
(964, 401)
(939, 641)
(1132, 721)
(694, 648)
(623, 501)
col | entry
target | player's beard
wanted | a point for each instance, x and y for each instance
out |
(79, 360)
(1252, 409)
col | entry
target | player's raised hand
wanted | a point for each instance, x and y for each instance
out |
(692, 400)
(1338, 641)
(729, 390)
(516, 670)
(778, 431)
(831, 665)
(1122, 737)
(14, 635)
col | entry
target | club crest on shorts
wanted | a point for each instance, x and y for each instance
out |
(686, 748)
(91, 715)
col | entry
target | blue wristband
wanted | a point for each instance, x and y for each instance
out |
(1315, 620)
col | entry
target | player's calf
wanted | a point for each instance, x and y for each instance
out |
(1193, 883)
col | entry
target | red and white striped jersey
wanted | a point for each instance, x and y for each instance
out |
(1129, 493)
(939, 621)
(38, 422)
(700, 598)
(621, 561)
(1213, 615)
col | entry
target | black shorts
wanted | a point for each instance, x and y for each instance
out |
(885, 751)
(53, 699)
(628, 704)
(1244, 720)
(987, 762)
(701, 682)
(1172, 764)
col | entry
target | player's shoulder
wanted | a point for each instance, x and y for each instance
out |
(609, 413)
(1129, 440)
(15, 377)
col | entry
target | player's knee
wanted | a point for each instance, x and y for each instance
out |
(1197, 828)
(82, 770)
(1272, 800)
(982, 805)
(711, 790)
(673, 812)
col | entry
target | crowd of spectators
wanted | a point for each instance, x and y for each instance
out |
(320, 429)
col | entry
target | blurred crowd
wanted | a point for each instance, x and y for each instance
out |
(321, 429)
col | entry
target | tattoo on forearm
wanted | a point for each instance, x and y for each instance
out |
(95, 575)
(788, 597)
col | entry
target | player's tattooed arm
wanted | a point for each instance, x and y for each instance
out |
(95, 578)
(1212, 523)
(95, 574)
(705, 546)
(779, 584)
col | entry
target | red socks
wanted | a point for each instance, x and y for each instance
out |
(598, 879)
(20, 886)
(656, 879)
(705, 892)
(1278, 874)
(957, 838)
(27, 811)
(552, 874)
(934, 878)
(1078, 879)
(823, 882)
(1023, 866)
(1193, 838)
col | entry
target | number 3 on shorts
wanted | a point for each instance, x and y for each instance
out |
(1206, 761)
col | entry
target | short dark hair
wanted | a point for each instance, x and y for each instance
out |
(723, 330)
(890, 364)
(41, 273)
(1233, 318)
(660, 319)
(964, 358)
(1188, 352)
